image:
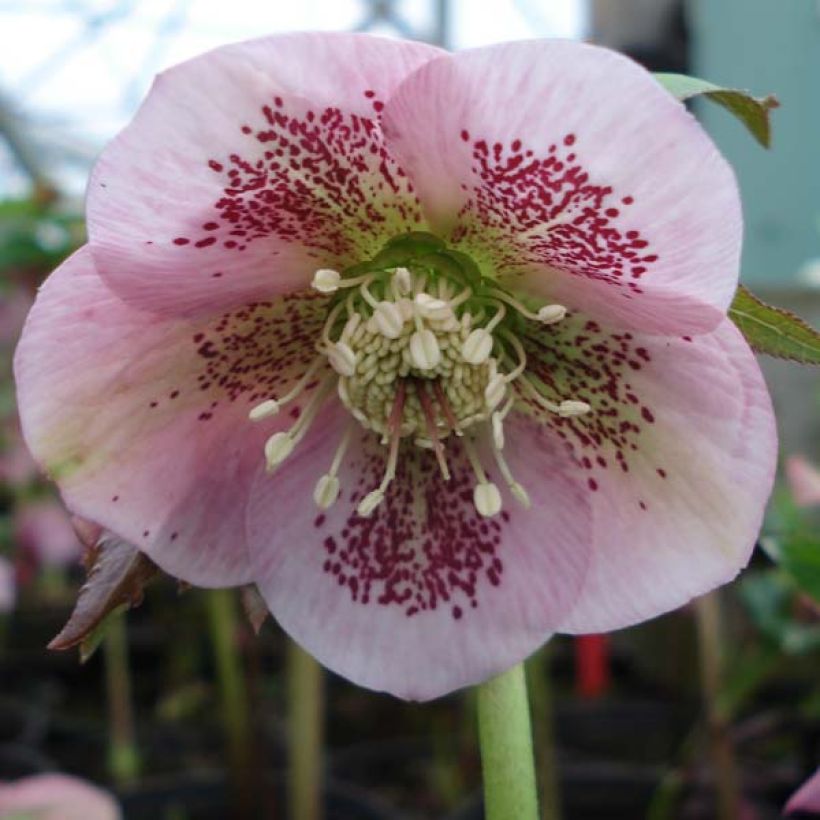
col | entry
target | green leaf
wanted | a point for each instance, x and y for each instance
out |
(799, 555)
(753, 112)
(773, 330)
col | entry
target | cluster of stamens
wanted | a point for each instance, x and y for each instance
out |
(418, 358)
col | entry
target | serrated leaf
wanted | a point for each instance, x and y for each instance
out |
(753, 112)
(116, 579)
(773, 330)
(254, 605)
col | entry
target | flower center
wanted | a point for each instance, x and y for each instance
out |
(420, 350)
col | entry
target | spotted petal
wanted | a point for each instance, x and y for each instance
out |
(248, 168)
(143, 420)
(425, 596)
(678, 454)
(566, 169)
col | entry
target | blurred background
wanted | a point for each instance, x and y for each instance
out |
(712, 711)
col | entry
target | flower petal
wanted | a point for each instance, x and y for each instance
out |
(804, 481)
(248, 168)
(143, 420)
(425, 596)
(569, 167)
(806, 798)
(678, 453)
(56, 797)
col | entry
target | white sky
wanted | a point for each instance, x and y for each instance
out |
(76, 85)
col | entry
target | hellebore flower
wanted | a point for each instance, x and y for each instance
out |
(56, 797)
(806, 798)
(804, 481)
(475, 308)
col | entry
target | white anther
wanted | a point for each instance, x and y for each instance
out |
(497, 422)
(494, 391)
(487, 499)
(550, 314)
(388, 319)
(277, 448)
(369, 503)
(326, 280)
(264, 410)
(520, 495)
(404, 281)
(432, 308)
(477, 346)
(326, 492)
(425, 353)
(571, 408)
(342, 359)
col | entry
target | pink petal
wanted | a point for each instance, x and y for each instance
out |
(143, 420)
(8, 586)
(806, 798)
(804, 481)
(425, 596)
(44, 528)
(248, 168)
(56, 797)
(569, 164)
(678, 455)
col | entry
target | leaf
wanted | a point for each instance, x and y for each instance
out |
(116, 579)
(773, 330)
(254, 605)
(799, 555)
(753, 112)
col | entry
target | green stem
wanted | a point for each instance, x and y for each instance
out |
(305, 732)
(224, 622)
(710, 647)
(539, 680)
(505, 736)
(123, 755)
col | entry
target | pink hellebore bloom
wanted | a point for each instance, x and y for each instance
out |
(56, 797)
(804, 481)
(475, 306)
(807, 798)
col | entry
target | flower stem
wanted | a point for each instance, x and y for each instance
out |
(710, 647)
(123, 754)
(540, 684)
(305, 731)
(224, 623)
(505, 736)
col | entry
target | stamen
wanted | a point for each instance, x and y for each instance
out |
(517, 490)
(519, 352)
(375, 497)
(388, 319)
(432, 431)
(326, 280)
(341, 358)
(548, 314)
(327, 487)
(431, 308)
(280, 445)
(486, 498)
(497, 422)
(270, 407)
(425, 353)
(479, 344)
(495, 391)
(566, 409)
(402, 281)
